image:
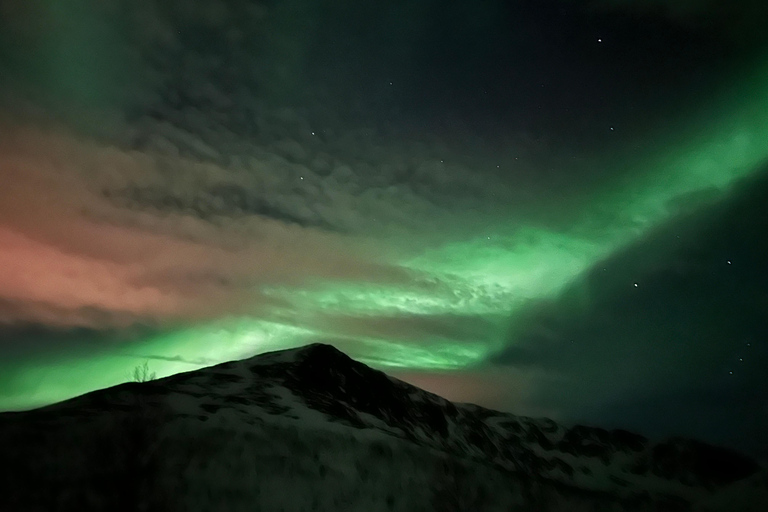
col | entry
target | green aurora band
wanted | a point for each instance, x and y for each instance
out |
(490, 277)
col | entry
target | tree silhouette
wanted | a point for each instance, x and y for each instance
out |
(142, 374)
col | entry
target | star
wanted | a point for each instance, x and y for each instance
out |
(599, 40)
(636, 285)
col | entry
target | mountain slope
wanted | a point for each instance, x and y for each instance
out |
(298, 411)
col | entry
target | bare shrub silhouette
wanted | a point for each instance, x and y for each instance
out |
(142, 374)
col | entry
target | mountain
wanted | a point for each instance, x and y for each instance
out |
(312, 429)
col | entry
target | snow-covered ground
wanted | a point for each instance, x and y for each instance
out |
(311, 430)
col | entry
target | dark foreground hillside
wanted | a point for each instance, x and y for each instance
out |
(312, 430)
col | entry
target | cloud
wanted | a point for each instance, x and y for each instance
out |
(202, 187)
(198, 362)
(684, 335)
(66, 244)
(125, 235)
(185, 196)
(412, 328)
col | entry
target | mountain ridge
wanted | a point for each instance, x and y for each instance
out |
(319, 388)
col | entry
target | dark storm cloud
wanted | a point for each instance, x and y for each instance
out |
(689, 337)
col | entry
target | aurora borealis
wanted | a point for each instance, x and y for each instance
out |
(528, 205)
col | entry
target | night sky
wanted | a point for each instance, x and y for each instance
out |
(552, 208)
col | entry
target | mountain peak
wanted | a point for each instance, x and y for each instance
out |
(324, 369)
(320, 352)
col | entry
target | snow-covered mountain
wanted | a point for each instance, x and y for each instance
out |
(311, 429)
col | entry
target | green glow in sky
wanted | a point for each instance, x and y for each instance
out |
(444, 356)
(511, 263)
(485, 279)
(165, 354)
